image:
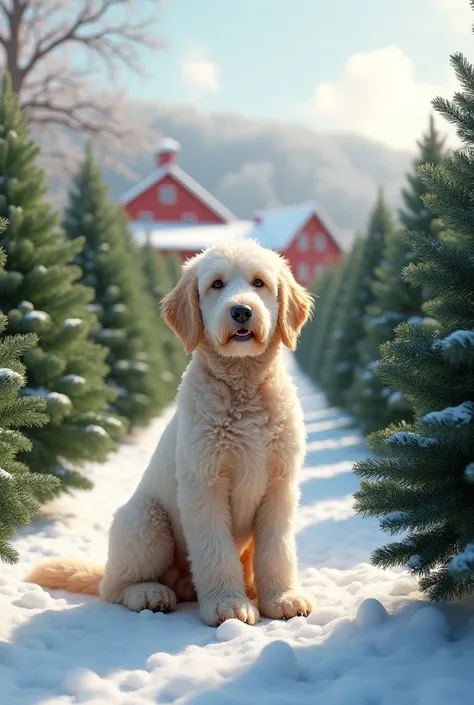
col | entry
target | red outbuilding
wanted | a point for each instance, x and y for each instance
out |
(170, 196)
(175, 213)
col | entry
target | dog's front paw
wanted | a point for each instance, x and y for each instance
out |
(285, 605)
(149, 596)
(216, 610)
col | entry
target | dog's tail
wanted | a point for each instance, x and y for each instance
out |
(73, 575)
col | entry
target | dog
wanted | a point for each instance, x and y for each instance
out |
(212, 517)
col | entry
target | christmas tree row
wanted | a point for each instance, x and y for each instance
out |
(362, 299)
(84, 355)
(392, 342)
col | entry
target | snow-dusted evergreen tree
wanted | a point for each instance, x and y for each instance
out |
(39, 294)
(341, 359)
(395, 300)
(422, 485)
(162, 383)
(20, 490)
(370, 401)
(121, 303)
(161, 275)
(414, 216)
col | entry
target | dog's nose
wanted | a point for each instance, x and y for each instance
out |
(241, 313)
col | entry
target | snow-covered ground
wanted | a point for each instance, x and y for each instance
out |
(60, 649)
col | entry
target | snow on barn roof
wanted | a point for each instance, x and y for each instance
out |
(185, 180)
(190, 238)
(276, 228)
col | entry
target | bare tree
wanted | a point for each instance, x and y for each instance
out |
(65, 59)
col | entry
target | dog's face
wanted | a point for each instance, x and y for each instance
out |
(238, 296)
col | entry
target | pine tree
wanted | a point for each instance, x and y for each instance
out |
(414, 216)
(173, 262)
(395, 300)
(111, 266)
(332, 367)
(319, 289)
(324, 322)
(39, 294)
(161, 275)
(422, 485)
(162, 381)
(370, 401)
(19, 489)
(341, 358)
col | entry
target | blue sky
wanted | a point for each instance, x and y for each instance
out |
(368, 66)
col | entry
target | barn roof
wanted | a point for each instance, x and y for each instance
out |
(187, 181)
(276, 228)
(190, 238)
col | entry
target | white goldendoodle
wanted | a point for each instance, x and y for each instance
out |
(212, 518)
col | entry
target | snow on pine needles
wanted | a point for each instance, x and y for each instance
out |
(372, 639)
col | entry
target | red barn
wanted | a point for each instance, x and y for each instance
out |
(170, 196)
(175, 213)
(303, 233)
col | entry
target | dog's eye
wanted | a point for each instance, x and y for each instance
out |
(258, 283)
(218, 284)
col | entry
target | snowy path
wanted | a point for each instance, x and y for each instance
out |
(61, 649)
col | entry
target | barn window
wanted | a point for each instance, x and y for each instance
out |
(167, 195)
(145, 217)
(190, 218)
(303, 243)
(303, 271)
(319, 243)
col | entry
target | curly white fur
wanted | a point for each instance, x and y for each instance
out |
(222, 485)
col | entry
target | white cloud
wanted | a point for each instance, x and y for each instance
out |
(198, 72)
(378, 96)
(459, 13)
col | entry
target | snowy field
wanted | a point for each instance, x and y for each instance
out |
(372, 640)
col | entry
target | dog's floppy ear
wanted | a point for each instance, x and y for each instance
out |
(295, 306)
(180, 309)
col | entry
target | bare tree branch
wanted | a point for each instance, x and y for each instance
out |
(65, 57)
